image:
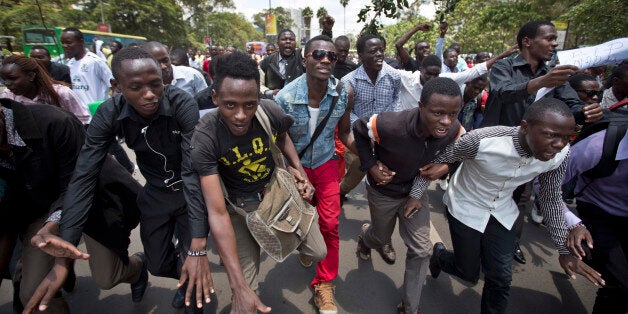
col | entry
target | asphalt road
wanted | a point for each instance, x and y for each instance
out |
(540, 286)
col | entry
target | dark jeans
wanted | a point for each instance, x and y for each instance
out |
(492, 250)
(610, 248)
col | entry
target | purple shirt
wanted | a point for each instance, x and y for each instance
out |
(609, 193)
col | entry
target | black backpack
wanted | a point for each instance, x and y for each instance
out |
(615, 125)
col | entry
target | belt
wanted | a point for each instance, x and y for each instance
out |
(241, 201)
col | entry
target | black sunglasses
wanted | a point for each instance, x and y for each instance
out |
(319, 54)
(590, 93)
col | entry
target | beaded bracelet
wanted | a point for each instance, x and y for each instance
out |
(197, 253)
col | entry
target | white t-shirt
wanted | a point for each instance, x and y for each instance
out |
(313, 119)
(90, 78)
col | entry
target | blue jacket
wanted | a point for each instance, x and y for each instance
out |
(293, 98)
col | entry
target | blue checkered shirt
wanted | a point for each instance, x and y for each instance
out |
(370, 98)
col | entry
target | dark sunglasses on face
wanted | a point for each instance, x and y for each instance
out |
(589, 93)
(319, 54)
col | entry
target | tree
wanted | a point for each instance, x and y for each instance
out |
(490, 25)
(197, 10)
(389, 8)
(321, 12)
(228, 28)
(593, 22)
(344, 4)
(138, 18)
(17, 13)
(307, 20)
(284, 19)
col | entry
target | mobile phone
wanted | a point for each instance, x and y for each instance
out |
(412, 213)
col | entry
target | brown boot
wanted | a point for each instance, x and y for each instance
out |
(324, 298)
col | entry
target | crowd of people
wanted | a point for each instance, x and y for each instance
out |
(475, 125)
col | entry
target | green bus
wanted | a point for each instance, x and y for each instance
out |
(50, 37)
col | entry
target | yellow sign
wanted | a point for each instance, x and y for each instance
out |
(271, 24)
(560, 25)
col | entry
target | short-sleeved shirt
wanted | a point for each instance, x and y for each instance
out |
(188, 79)
(90, 78)
(245, 163)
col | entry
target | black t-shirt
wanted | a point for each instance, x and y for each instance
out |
(245, 163)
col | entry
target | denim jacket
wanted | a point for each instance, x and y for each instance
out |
(293, 98)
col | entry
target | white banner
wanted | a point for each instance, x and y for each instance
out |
(611, 52)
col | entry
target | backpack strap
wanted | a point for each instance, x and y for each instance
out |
(614, 134)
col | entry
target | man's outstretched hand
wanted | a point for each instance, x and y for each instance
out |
(47, 240)
(48, 287)
(572, 265)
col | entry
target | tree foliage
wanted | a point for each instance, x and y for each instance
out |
(490, 25)
(307, 12)
(595, 21)
(160, 20)
(321, 12)
(232, 29)
(377, 8)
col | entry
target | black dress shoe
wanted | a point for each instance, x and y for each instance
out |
(178, 301)
(139, 288)
(518, 254)
(387, 252)
(435, 269)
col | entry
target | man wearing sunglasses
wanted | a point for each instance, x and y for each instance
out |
(318, 102)
(587, 88)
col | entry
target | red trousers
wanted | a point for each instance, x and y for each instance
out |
(325, 181)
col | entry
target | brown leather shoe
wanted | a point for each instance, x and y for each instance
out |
(364, 252)
(387, 253)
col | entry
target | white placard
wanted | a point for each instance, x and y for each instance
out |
(611, 52)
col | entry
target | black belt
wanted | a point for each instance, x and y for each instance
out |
(242, 200)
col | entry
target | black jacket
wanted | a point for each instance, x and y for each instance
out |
(53, 139)
(270, 67)
(161, 147)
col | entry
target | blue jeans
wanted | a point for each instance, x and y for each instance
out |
(492, 250)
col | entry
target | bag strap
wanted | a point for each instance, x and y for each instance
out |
(321, 126)
(262, 117)
(618, 104)
(225, 194)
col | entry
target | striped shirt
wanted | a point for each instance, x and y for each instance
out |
(495, 164)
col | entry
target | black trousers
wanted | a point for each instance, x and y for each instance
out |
(161, 220)
(492, 250)
(610, 249)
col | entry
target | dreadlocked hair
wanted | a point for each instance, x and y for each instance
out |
(42, 82)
